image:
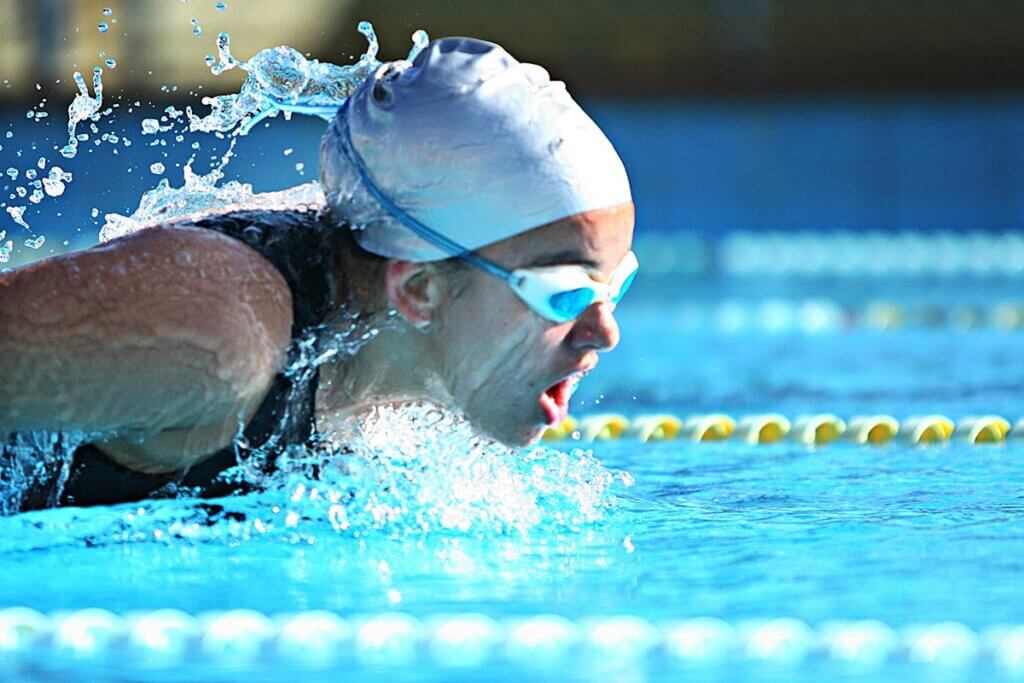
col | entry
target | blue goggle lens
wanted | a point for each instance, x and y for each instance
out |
(625, 287)
(572, 303)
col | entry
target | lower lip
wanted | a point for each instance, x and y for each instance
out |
(553, 411)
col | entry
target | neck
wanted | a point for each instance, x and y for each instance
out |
(389, 368)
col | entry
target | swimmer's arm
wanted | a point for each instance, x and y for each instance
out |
(167, 337)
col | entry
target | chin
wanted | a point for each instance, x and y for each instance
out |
(515, 434)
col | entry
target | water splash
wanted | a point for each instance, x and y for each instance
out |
(34, 458)
(281, 79)
(5, 247)
(84, 106)
(398, 471)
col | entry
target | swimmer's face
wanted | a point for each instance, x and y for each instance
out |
(509, 370)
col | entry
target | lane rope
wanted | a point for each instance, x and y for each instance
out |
(242, 637)
(818, 429)
(835, 253)
(822, 315)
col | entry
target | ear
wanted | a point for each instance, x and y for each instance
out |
(415, 290)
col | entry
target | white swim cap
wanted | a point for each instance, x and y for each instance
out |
(467, 141)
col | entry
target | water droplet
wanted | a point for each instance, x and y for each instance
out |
(52, 187)
(300, 166)
(221, 6)
(103, 28)
(197, 31)
(95, 212)
(288, 151)
(111, 64)
(156, 168)
(17, 213)
(35, 243)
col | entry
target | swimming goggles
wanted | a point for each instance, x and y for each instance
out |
(557, 293)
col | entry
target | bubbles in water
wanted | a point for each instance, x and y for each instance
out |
(107, 11)
(111, 64)
(221, 6)
(103, 27)
(156, 168)
(36, 242)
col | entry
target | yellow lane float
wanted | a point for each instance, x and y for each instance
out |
(767, 428)
(561, 431)
(813, 430)
(872, 430)
(713, 427)
(1008, 316)
(927, 429)
(817, 430)
(982, 429)
(655, 427)
(602, 427)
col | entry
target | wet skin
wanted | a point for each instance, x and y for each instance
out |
(472, 344)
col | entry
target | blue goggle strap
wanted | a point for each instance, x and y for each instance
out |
(433, 237)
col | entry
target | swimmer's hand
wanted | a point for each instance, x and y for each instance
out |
(161, 342)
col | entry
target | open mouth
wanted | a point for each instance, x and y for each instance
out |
(555, 399)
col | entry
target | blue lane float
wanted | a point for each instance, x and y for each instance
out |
(246, 638)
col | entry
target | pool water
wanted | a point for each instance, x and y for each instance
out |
(908, 535)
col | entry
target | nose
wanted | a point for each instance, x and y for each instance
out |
(596, 328)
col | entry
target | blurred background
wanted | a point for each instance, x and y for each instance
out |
(737, 119)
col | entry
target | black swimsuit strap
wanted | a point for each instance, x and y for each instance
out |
(297, 244)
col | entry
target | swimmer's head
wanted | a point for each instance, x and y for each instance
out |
(468, 149)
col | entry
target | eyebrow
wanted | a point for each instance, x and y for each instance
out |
(567, 257)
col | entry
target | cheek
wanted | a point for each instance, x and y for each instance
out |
(492, 340)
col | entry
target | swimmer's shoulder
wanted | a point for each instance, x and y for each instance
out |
(222, 314)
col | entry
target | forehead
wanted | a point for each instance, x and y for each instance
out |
(598, 238)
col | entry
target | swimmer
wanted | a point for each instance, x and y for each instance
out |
(474, 215)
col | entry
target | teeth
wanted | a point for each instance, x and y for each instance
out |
(573, 382)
